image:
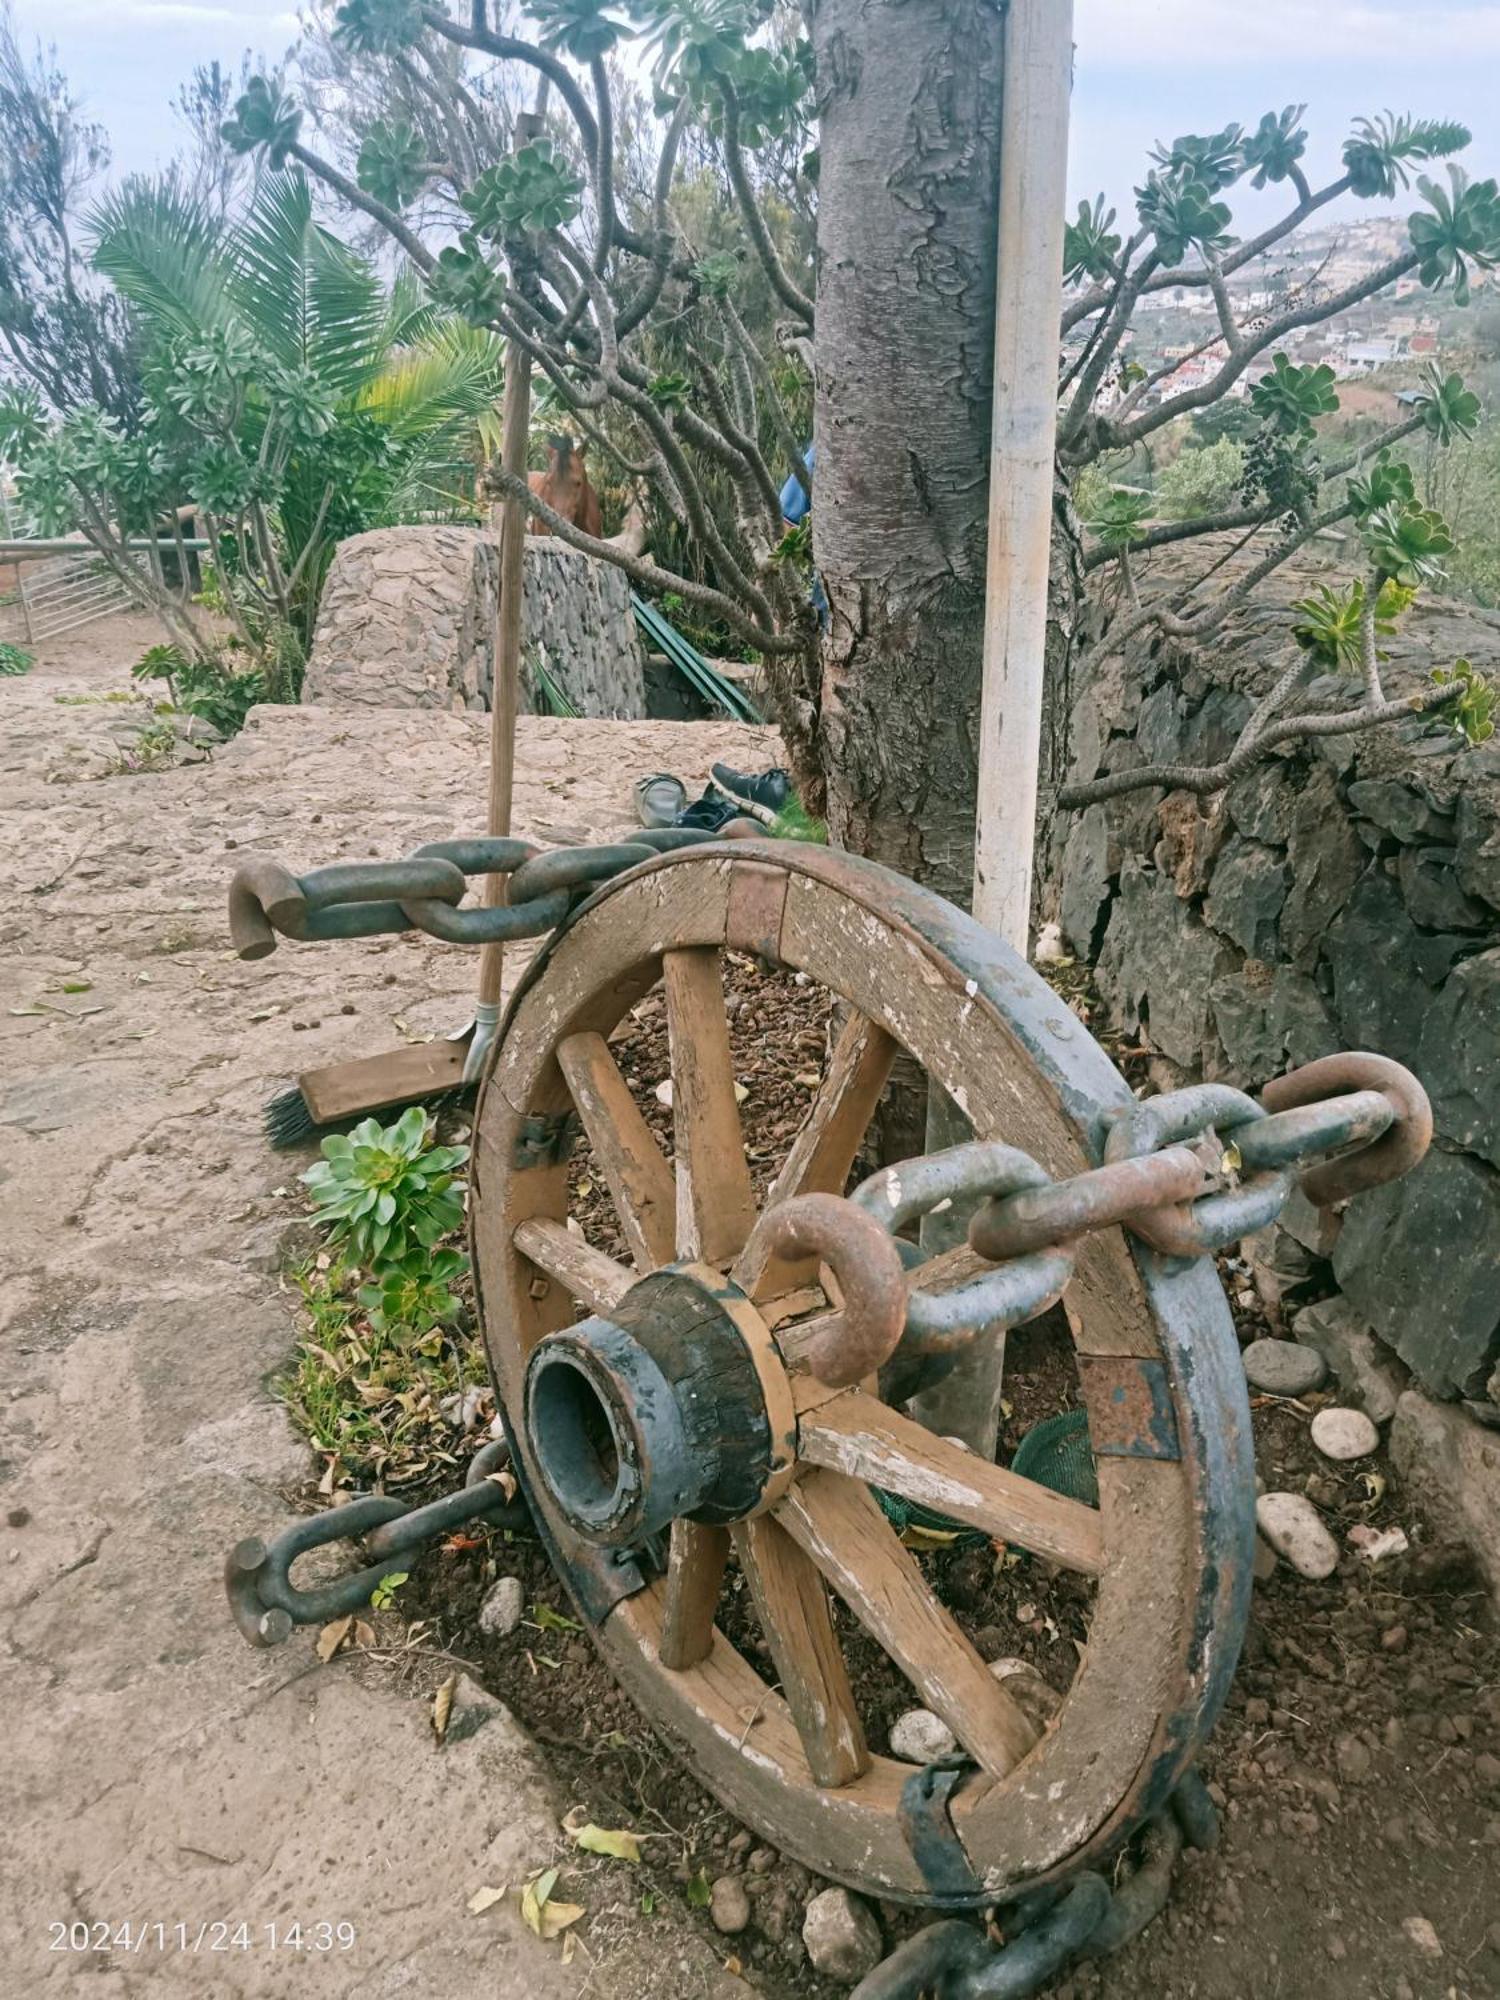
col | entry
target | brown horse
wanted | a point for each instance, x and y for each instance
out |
(565, 486)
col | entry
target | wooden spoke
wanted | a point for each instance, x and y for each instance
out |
(695, 1570)
(626, 1153)
(792, 1606)
(857, 1434)
(715, 1208)
(823, 1151)
(839, 1524)
(595, 1280)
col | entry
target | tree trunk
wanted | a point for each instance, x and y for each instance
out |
(909, 102)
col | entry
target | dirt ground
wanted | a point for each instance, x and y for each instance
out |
(159, 1773)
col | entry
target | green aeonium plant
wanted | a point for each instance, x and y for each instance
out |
(386, 1192)
(416, 1292)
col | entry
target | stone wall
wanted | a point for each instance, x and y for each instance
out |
(407, 621)
(1345, 894)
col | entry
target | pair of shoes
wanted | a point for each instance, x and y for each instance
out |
(659, 799)
(770, 789)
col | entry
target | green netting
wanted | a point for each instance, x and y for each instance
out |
(1056, 1454)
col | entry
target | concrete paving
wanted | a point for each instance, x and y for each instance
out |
(156, 1771)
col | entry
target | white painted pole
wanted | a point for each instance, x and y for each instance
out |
(1038, 79)
(1028, 303)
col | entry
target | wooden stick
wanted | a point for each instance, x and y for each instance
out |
(509, 516)
(1028, 286)
(1033, 188)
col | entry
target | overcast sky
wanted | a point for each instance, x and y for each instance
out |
(1146, 69)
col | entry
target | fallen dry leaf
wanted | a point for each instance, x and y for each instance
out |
(540, 1913)
(616, 1841)
(333, 1636)
(442, 1706)
(484, 1899)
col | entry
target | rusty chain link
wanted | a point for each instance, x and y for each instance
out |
(425, 890)
(1188, 1172)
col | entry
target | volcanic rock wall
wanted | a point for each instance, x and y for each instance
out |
(407, 621)
(1344, 894)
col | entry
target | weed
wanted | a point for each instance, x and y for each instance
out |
(155, 749)
(370, 1400)
(214, 691)
(384, 1594)
(14, 659)
(389, 1349)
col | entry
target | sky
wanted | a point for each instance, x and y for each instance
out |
(1146, 70)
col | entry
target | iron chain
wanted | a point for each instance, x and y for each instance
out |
(1188, 1172)
(1086, 1918)
(425, 890)
(266, 1605)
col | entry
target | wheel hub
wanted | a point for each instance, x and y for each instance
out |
(675, 1404)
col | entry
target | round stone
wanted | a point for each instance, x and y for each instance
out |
(842, 1937)
(1344, 1434)
(729, 1905)
(1037, 1699)
(920, 1737)
(1294, 1528)
(504, 1602)
(1282, 1368)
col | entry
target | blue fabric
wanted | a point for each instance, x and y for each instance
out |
(794, 502)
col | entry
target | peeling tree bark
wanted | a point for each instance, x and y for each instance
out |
(909, 101)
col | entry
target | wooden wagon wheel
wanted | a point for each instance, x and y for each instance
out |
(1170, 1544)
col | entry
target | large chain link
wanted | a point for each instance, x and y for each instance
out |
(1188, 1172)
(425, 890)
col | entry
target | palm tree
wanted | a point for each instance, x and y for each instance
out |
(298, 398)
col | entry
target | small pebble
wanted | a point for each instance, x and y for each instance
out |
(1344, 1434)
(1353, 1760)
(1393, 1639)
(500, 1613)
(842, 1937)
(1423, 1936)
(1282, 1368)
(1294, 1528)
(920, 1737)
(728, 1905)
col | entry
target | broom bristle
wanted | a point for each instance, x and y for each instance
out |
(288, 1119)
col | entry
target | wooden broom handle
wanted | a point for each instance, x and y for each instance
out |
(506, 675)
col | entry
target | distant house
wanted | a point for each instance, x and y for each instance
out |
(1422, 343)
(1363, 357)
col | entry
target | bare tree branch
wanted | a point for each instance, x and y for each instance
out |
(645, 572)
(782, 284)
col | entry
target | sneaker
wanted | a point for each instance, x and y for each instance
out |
(659, 799)
(709, 813)
(770, 789)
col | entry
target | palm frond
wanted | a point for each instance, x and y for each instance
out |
(311, 301)
(410, 312)
(164, 253)
(452, 376)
